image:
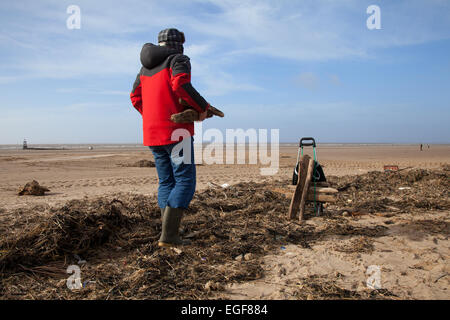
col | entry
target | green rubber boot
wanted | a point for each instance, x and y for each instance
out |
(162, 212)
(171, 220)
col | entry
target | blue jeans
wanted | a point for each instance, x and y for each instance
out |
(176, 175)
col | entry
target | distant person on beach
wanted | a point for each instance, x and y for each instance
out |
(165, 77)
(421, 147)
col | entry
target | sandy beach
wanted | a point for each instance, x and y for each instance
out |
(73, 174)
(412, 252)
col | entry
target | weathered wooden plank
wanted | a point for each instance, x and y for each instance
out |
(296, 197)
(307, 182)
(320, 197)
(318, 189)
(321, 189)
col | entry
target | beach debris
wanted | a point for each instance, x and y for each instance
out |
(79, 260)
(215, 185)
(308, 190)
(140, 164)
(227, 223)
(440, 277)
(177, 250)
(322, 287)
(390, 168)
(282, 271)
(144, 163)
(213, 286)
(373, 192)
(249, 256)
(33, 188)
(358, 244)
(301, 190)
(88, 282)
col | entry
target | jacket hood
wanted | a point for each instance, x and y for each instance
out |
(153, 55)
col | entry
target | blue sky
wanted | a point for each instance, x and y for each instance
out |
(308, 68)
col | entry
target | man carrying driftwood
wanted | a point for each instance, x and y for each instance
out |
(161, 90)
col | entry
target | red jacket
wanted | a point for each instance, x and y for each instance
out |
(165, 77)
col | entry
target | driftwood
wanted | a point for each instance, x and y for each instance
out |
(309, 174)
(324, 190)
(306, 190)
(320, 197)
(318, 189)
(191, 115)
(296, 198)
(322, 184)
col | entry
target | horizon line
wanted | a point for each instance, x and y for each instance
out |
(208, 142)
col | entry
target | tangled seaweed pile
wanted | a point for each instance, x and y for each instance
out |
(140, 164)
(75, 228)
(117, 237)
(403, 191)
(33, 188)
(357, 244)
(316, 287)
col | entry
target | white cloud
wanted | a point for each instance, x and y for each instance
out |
(213, 80)
(112, 33)
(73, 60)
(197, 50)
(322, 30)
